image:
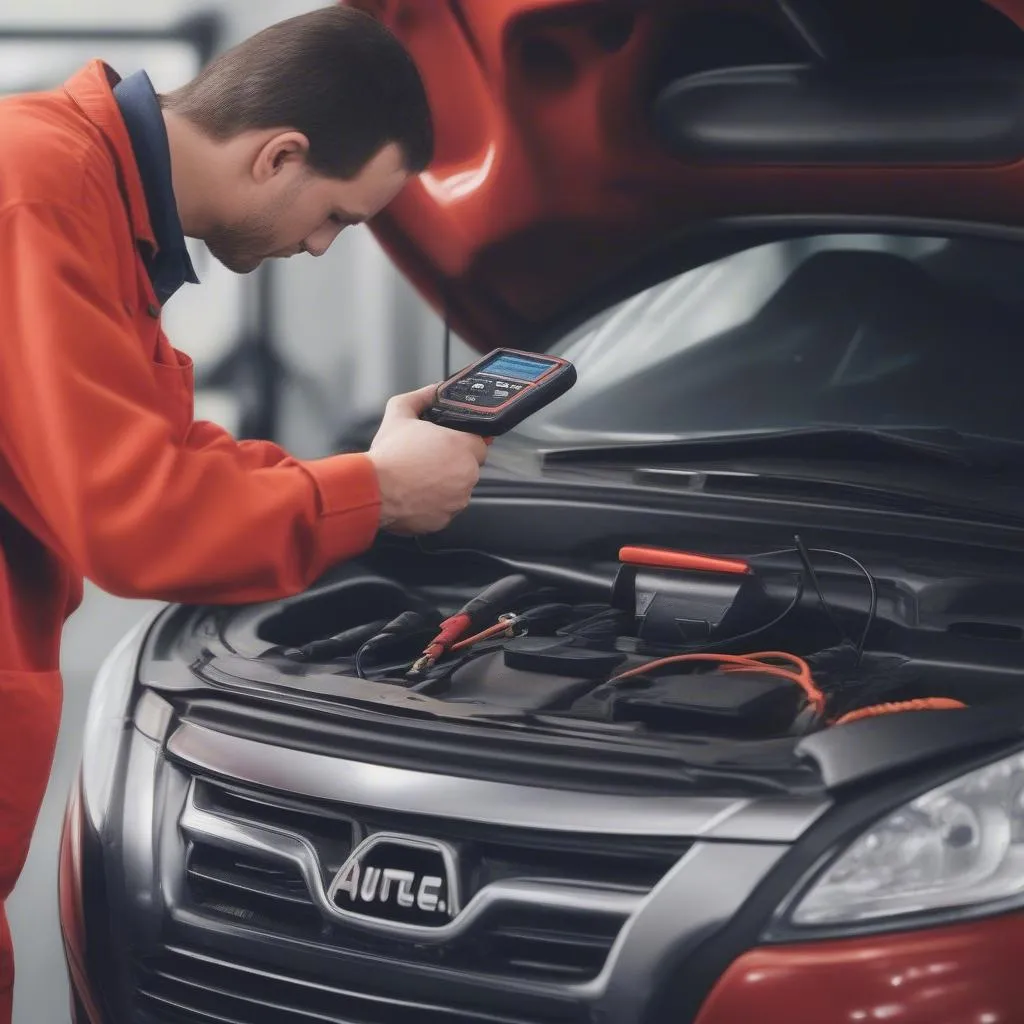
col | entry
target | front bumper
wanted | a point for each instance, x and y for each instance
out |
(967, 974)
(224, 848)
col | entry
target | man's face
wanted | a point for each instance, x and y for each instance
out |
(297, 210)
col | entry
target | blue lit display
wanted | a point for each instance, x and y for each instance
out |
(516, 367)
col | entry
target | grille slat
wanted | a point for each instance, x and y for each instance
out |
(553, 946)
(212, 995)
(257, 891)
(569, 945)
(201, 989)
(565, 955)
(182, 1013)
(248, 877)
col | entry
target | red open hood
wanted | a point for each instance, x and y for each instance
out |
(577, 140)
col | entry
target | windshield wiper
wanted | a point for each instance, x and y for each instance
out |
(818, 443)
(917, 471)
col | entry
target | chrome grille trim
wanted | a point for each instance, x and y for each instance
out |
(279, 844)
(400, 790)
(187, 995)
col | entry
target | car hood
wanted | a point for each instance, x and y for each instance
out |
(584, 149)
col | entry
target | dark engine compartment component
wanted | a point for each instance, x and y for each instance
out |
(770, 645)
(678, 598)
(549, 683)
(745, 705)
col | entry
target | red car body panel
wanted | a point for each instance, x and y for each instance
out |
(547, 180)
(72, 923)
(968, 974)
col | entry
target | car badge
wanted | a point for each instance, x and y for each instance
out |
(398, 880)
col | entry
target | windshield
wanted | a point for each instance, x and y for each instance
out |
(834, 331)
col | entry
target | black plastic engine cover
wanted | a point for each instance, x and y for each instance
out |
(741, 704)
(558, 657)
(553, 680)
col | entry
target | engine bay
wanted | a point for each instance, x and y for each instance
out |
(659, 642)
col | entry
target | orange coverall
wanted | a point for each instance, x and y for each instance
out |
(103, 472)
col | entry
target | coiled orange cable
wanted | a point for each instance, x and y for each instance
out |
(759, 662)
(801, 675)
(921, 704)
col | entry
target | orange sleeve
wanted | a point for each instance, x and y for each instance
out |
(206, 436)
(109, 489)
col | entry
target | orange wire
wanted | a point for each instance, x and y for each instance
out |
(758, 662)
(921, 704)
(746, 663)
(495, 630)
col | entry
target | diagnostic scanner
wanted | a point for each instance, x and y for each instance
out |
(498, 392)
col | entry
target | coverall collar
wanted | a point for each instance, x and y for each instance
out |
(92, 90)
(170, 266)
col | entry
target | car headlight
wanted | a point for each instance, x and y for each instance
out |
(958, 846)
(105, 722)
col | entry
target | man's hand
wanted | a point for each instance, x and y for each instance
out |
(426, 473)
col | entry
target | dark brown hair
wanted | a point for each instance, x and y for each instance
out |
(336, 75)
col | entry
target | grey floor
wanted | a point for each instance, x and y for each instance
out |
(40, 990)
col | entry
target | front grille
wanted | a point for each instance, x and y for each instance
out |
(538, 943)
(184, 986)
(550, 944)
(252, 889)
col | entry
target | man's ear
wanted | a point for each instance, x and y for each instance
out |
(281, 152)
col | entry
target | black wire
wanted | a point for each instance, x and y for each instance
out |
(872, 586)
(447, 346)
(359, 662)
(872, 606)
(395, 675)
(805, 559)
(760, 629)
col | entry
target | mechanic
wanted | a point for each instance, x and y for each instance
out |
(311, 125)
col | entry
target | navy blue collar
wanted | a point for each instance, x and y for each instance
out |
(170, 266)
